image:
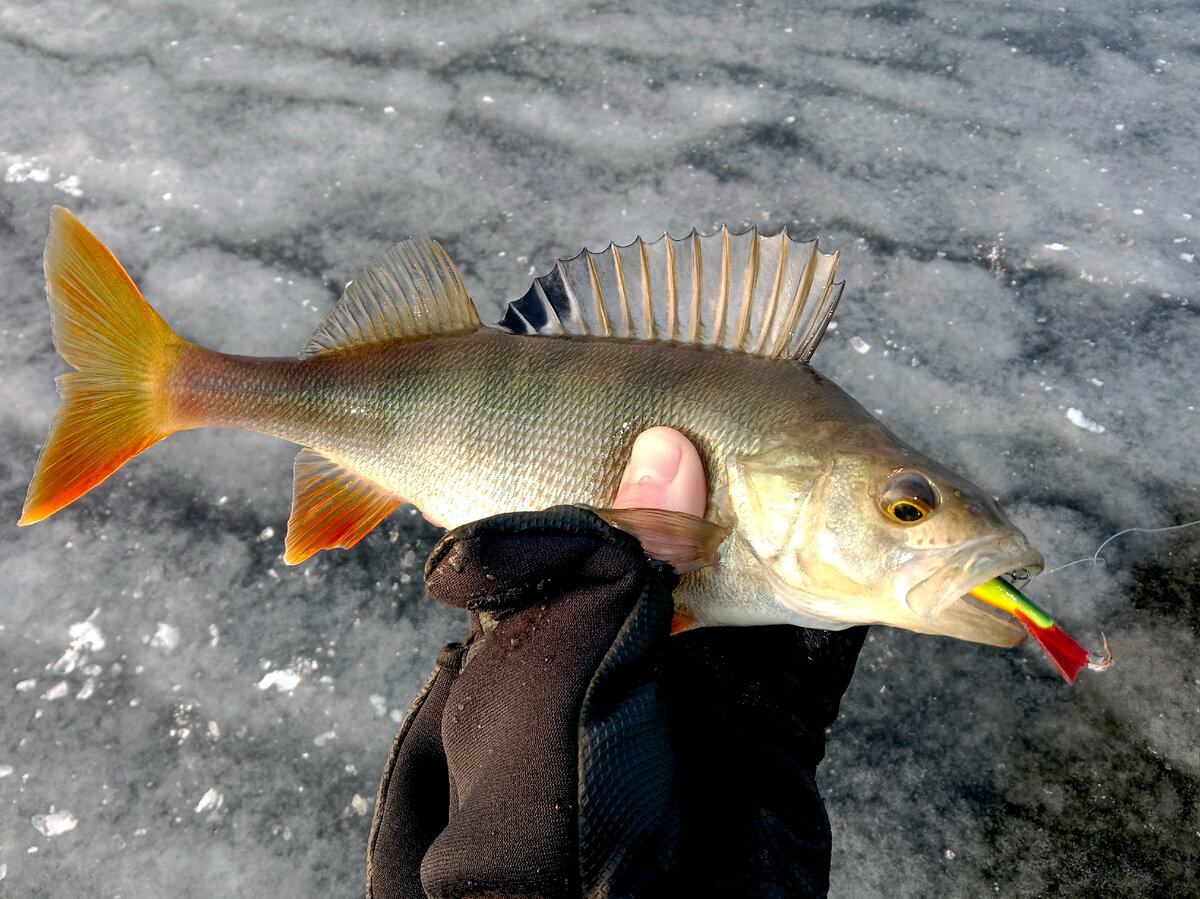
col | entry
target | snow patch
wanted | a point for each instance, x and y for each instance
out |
(86, 634)
(55, 823)
(1080, 420)
(69, 185)
(58, 691)
(282, 680)
(32, 170)
(211, 801)
(166, 637)
(322, 739)
(26, 170)
(85, 638)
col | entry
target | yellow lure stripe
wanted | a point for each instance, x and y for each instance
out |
(1003, 595)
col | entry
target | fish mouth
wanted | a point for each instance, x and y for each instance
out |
(972, 564)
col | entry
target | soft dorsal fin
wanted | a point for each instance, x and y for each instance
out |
(413, 290)
(767, 296)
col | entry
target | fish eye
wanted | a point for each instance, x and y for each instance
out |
(907, 497)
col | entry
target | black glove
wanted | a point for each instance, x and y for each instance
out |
(568, 747)
(747, 709)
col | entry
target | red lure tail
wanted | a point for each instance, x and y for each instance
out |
(1064, 651)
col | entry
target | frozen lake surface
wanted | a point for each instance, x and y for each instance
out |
(1015, 192)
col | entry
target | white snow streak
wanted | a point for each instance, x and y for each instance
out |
(1080, 420)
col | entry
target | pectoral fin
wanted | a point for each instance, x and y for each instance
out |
(684, 541)
(331, 506)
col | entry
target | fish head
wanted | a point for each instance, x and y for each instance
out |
(854, 526)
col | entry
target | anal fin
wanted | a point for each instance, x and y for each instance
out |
(332, 506)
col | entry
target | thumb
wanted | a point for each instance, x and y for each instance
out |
(664, 472)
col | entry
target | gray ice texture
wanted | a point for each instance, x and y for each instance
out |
(1015, 191)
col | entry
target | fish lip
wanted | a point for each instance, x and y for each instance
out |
(974, 563)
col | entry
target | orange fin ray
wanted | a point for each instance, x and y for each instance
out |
(681, 620)
(331, 506)
(115, 405)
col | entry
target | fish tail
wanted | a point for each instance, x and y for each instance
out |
(116, 403)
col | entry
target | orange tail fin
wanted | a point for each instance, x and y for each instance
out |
(115, 404)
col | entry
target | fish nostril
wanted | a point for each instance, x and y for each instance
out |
(975, 508)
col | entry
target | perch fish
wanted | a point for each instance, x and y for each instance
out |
(824, 518)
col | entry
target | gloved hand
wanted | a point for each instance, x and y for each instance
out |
(747, 709)
(569, 747)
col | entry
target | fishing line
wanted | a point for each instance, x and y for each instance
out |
(1095, 559)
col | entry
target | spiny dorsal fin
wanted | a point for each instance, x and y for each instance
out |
(767, 296)
(413, 290)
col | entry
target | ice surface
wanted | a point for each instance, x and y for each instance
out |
(1014, 191)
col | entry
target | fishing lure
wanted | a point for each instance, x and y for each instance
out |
(1064, 651)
